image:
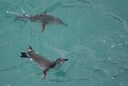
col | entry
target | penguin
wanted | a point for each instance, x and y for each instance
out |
(45, 63)
(44, 19)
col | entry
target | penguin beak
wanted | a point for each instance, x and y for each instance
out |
(65, 60)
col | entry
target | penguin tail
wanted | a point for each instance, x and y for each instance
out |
(30, 47)
(65, 24)
(24, 55)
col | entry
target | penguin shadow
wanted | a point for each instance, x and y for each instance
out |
(59, 71)
(59, 74)
(63, 76)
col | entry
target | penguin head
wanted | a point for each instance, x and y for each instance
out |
(60, 60)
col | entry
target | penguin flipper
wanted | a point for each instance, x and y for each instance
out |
(45, 73)
(43, 27)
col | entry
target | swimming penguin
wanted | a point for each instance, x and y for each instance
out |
(42, 18)
(41, 60)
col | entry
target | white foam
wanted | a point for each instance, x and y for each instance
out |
(30, 59)
(8, 85)
(11, 12)
(112, 46)
(104, 41)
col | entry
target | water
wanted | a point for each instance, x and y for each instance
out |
(95, 42)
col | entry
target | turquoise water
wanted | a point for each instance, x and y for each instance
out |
(95, 42)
